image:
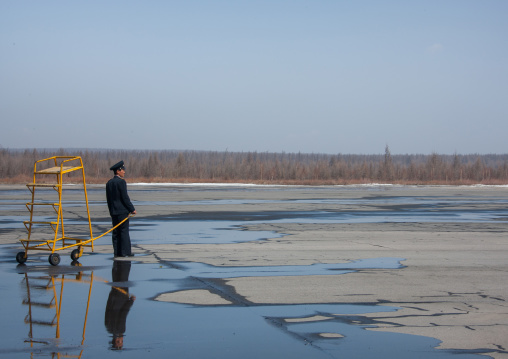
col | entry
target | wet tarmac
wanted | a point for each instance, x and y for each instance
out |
(104, 308)
(81, 311)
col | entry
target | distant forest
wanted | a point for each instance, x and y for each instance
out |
(16, 166)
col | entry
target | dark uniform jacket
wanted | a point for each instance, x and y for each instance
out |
(118, 200)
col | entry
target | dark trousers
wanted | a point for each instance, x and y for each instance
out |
(121, 238)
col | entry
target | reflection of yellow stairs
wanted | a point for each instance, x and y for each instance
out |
(42, 294)
(61, 165)
(34, 285)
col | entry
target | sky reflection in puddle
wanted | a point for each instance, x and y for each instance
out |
(46, 311)
(49, 313)
(176, 230)
(208, 271)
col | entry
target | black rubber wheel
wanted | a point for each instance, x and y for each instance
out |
(20, 257)
(54, 259)
(75, 254)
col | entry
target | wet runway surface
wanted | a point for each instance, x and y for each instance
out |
(93, 308)
(80, 310)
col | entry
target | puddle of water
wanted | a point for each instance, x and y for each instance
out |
(175, 232)
(405, 216)
(202, 270)
(78, 311)
(196, 230)
(49, 313)
(429, 202)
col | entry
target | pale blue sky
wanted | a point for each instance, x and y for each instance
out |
(310, 76)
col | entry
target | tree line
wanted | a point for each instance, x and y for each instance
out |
(16, 166)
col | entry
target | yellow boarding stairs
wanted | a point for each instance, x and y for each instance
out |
(56, 166)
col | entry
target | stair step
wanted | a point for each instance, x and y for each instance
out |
(57, 170)
(41, 204)
(43, 185)
(40, 222)
(33, 240)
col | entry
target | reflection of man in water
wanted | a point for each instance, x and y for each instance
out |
(119, 304)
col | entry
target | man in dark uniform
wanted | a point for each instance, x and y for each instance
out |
(120, 207)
